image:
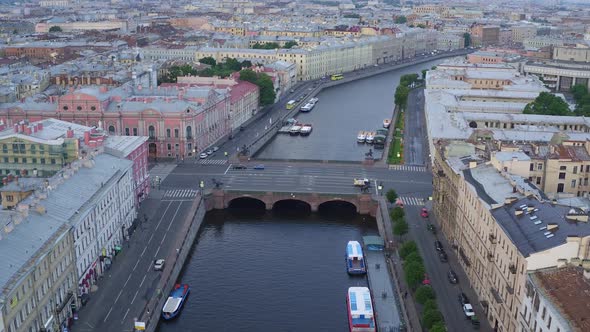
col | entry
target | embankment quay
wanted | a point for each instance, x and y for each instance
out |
(265, 125)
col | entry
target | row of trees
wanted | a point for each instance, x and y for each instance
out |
(222, 69)
(414, 272)
(403, 90)
(273, 45)
(582, 98)
(549, 104)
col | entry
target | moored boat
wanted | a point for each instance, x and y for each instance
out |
(360, 310)
(307, 107)
(295, 129)
(355, 261)
(314, 101)
(370, 137)
(175, 301)
(306, 129)
(361, 137)
(386, 123)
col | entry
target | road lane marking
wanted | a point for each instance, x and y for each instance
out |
(164, 237)
(107, 317)
(118, 296)
(126, 312)
(128, 278)
(151, 237)
(142, 280)
(143, 252)
(134, 296)
(228, 167)
(136, 265)
(376, 190)
(157, 251)
(163, 215)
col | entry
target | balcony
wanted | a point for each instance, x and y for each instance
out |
(496, 295)
(512, 268)
(490, 257)
(510, 290)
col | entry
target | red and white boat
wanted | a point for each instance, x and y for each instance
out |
(360, 310)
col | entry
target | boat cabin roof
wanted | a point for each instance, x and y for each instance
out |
(354, 250)
(360, 302)
(172, 304)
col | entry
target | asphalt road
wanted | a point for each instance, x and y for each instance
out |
(446, 293)
(131, 281)
(415, 131)
(300, 177)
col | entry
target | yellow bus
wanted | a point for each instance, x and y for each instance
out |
(291, 104)
(336, 77)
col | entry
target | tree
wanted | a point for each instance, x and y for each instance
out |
(352, 15)
(414, 256)
(579, 91)
(232, 64)
(55, 28)
(267, 90)
(401, 96)
(430, 305)
(397, 213)
(391, 195)
(248, 75)
(208, 61)
(467, 39)
(424, 293)
(246, 64)
(290, 44)
(547, 104)
(438, 327)
(422, 26)
(15, 32)
(400, 227)
(408, 79)
(407, 248)
(401, 19)
(414, 273)
(424, 71)
(431, 317)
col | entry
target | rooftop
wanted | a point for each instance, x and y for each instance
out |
(543, 227)
(568, 290)
(122, 146)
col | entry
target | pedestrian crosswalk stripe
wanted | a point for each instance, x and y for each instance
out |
(412, 200)
(410, 168)
(213, 162)
(180, 193)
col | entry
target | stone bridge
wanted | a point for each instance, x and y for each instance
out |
(363, 203)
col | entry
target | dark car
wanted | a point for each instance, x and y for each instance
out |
(438, 246)
(452, 277)
(463, 299)
(443, 256)
(239, 167)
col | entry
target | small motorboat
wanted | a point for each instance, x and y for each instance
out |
(386, 123)
(361, 137)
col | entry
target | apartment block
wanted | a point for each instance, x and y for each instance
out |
(563, 53)
(502, 228)
(523, 32)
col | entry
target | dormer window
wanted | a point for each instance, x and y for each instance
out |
(93, 108)
(65, 108)
(79, 108)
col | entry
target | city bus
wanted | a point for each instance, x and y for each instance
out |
(336, 77)
(291, 104)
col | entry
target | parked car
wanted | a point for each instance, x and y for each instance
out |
(424, 213)
(431, 228)
(209, 152)
(203, 155)
(463, 299)
(452, 277)
(259, 167)
(475, 322)
(443, 256)
(159, 264)
(468, 311)
(361, 182)
(426, 280)
(215, 148)
(438, 246)
(240, 166)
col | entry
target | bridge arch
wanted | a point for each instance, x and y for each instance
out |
(342, 206)
(294, 205)
(247, 202)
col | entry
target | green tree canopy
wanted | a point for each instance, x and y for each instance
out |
(397, 213)
(467, 39)
(579, 91)
(266, 46)
(414, 256)
(290, 44)
(431, 317)
(248, 75)
(407, 248)
(547, 104)
(400, 227)
(55, 28)
(408, 79)
(414, 273)
(401, 19)
(438, 327)
(208, 61)
(424, 293)
(430, 305)
(246, 64)
(264, 82)
(391, 195)
(401, 96)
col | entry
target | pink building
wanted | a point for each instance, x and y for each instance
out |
(179, 121)
(134, 148)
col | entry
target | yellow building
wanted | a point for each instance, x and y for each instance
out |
(36, 149)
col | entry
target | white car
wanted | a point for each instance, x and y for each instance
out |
(159, 264)
(215, 148)
(468, 310)
(209, 152)
(203, 155)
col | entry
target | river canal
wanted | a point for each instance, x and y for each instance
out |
(271, 271)
(341, 113)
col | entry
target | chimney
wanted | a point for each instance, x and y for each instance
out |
(16, 128)
(86, 137)
(70, 133)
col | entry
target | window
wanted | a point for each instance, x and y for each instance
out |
(189, 132)
(168, 133)
(93, 108)
(42, 160)
(52, 161)
(10, 198)
(79, 108)
(549, 323)
(560, 187)
(34, 160)
(126, 131)
(169, 146)
(544, 312)
(562, 168)
(573, 183)
(531, 167)
(539, 180)
(4, 148)
(176, 133)
(33, 148)
(561, 176)
(24, 160)
(5, 159)
(575, 170)
(134, 131)
(539, 167)
(14, 148)
(152, 132)
(111, 129)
